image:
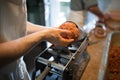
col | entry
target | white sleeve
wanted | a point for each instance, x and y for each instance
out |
(78, 17)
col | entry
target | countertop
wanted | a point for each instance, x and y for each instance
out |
(94, 50)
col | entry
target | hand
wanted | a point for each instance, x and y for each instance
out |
(114, 15)
(53, 35)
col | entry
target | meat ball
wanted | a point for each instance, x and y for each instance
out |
(69, 25)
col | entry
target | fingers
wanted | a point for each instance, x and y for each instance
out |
(59, 37)
(65, 38)
(65, 33)
(66, 42)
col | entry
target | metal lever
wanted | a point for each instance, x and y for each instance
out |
(44, 73)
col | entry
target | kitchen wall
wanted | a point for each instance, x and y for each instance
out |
(56, 11)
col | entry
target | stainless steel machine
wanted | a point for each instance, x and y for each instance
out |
(63, 63)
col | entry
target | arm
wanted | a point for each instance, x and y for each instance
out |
(31, 28)
(12, 50)
(55, 33)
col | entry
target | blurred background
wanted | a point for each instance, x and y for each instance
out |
(47, 13)
(86, 14)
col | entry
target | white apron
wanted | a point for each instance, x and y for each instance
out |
(13, 26)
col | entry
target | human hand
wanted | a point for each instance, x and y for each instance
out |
(113, 14)
(71, 26)
(54, 36)
(112, 20)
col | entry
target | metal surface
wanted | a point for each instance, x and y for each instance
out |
(112, 39)
(67, 63)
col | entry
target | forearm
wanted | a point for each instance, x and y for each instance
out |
(12, 50)
(31, 28)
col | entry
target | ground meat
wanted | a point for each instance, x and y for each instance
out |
(113, 69)
(73, 28)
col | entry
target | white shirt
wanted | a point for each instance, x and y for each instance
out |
(13, 26)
